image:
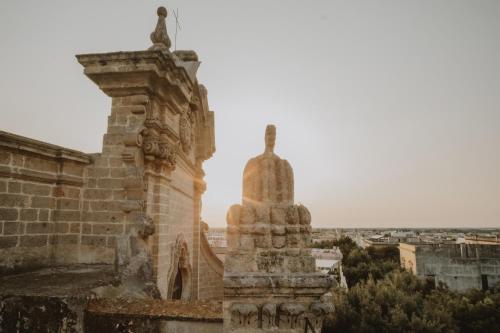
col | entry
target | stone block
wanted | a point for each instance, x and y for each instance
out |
(73, 169)
(43, 215)
(135, 194)
(113, 183)
(8, 242)
(39, 228)
(232, 236)
(113, 139)
(14, 187)
(11, 228)
(279, 241)
(36, 189)
(233, 215)
(292, 215)
(86, 228)
(61, 227)
(17, 160)
(8, 214)
(29, 214)
(99, 241)
(263, 214)
(111, 242)
(12, 200)
(293, 240)
(43, 202)
(278, 215)
(115, 162)
(118, 172)
(263, 241)
(68, 204)
(66, 192)
(3, 186)
(4, 157)
(33, 241)
(97, 194)
(304, 215)
(75, 228)
(246, 242)
(98, 171)
(40, 164)
(63, 239)
(102, 216)
(278, 230)
(107, 229)
(247, 215)
(65, 215)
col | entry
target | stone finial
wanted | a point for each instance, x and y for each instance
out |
(270, 138)
(159, 37)
(267, 178)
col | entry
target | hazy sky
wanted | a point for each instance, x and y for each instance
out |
(388, 111)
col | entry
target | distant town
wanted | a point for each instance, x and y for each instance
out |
(417, 252)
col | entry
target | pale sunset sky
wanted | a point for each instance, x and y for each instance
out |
(388, 111)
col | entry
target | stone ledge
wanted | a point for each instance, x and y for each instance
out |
(259, 285)
(17, 142)
(206, 311)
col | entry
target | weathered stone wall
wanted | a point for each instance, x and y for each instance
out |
(41, 200)
(459, 266)
(211, 284)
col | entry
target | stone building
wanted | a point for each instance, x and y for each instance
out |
(270, 278)
(459, 266)
(136, 204)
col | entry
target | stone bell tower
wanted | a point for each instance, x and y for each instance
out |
(270, 281)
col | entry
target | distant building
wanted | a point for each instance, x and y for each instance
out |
(459, 266)
(217, 237)
(483, 239)
(329, 261)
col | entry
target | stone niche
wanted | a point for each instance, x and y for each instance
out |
(270, 281)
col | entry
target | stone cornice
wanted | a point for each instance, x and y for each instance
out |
(151, 72)
(26, 145)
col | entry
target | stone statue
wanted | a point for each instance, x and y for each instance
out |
(268, 260)
(267, 178)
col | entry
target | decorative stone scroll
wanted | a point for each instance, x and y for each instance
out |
(269, 261)
(157, 147)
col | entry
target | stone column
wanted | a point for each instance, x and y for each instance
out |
(270, 281)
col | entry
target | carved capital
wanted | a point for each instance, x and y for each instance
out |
(157, 148)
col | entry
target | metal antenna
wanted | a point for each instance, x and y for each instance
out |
(177, 25)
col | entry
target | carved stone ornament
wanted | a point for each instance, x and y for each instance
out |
(244, 315)
(157, 148)
(186, 132)
(269, 316)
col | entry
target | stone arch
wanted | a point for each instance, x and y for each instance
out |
(180, 272)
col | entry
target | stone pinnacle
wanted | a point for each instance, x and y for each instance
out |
(159, 37)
